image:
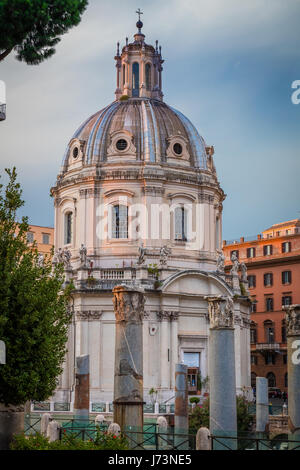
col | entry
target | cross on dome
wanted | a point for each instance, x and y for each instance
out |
(139, 12)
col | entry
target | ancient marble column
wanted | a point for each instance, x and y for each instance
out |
(82, 389)
(174, 345)
(262, 411)
(181, 407)
(222, 399)
(128, 379)
(293, 347)
(164, 317)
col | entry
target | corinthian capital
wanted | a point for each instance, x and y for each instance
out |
(128, 304)
(221, 311)
(292, 318)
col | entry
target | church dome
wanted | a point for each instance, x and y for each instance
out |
(142, 129)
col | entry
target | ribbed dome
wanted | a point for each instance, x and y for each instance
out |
(150, 122)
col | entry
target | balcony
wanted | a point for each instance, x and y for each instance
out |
(268, 347)
(2, 112)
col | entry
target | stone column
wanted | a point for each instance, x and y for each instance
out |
(82, 389)
(222, 400)
(128, 381)
(174, 345)
(293, 347)
(181, 407)
(164, 317)
(262, 410)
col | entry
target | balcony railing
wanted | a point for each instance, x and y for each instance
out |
(267, 346)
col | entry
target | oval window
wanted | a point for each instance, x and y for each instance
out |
(75, 152)
(121, 144)
(177, 148)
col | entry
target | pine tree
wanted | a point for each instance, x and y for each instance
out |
(34, 315)
(32, 27)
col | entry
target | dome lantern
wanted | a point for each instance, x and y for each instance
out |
(139, 68)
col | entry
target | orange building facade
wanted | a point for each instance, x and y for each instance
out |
(43, 236)
(273, 268)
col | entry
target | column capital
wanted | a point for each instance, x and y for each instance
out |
(292, 317)
(221, 311)
(88, 315)
(166, 315)
(128, 304)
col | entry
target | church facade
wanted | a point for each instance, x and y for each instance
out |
(138, 202)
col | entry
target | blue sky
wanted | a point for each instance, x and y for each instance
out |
(229, 67)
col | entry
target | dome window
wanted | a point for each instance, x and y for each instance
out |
(75, 152)
(121, 145)
(177, 148)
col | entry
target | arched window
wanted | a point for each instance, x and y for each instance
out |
(123, 74)
(180, 223)
(119, 221)
(135, 79)
(253, 379)
(148, 77)
(217, 233)
(68, 227)
(271, 379)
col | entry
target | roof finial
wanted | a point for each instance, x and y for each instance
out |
(118, 49)
(139, 23)
(139, 12)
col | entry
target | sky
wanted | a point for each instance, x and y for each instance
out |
(229, 67)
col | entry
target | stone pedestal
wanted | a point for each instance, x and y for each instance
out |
(11, 422)
(82, 389)
(128, 379)
(293, 347)
(181, 407)
(222, 400)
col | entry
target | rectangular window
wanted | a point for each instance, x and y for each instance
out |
(191, 359)
(253, 336)
(268, 279)
(252, 281)
(286, 300)
(120, 221)
(253, 359)
(180, 224)
(270, 358)
(283, 334)
(285, 359)
(268, 250)
(68, 228)
(30, 237)
(251, 252)
(254, 307)
(269, 304)
(286, 277)
(46, 238)
(286, 247)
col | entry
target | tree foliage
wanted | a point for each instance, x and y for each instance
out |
(200, 416)
(34, 316)
(33, 27)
